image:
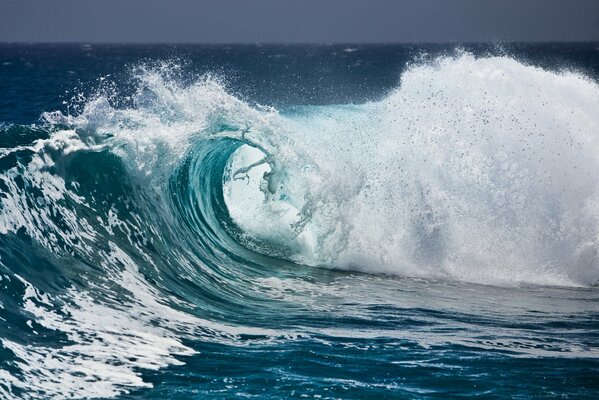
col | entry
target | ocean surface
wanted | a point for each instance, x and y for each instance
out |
(275, 222)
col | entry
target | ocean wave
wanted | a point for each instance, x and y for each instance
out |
(183, 200)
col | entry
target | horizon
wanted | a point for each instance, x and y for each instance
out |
(217, 44)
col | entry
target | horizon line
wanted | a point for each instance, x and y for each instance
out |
(349, 43)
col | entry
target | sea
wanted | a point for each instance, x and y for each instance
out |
(327, 221)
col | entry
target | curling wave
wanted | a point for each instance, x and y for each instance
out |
(144, 212)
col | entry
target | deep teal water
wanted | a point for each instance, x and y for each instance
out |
(135, 263)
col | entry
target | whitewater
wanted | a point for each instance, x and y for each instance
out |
(165, 236)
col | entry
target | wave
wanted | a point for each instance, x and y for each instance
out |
(142, 212)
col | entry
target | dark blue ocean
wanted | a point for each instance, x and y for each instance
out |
(273, 222)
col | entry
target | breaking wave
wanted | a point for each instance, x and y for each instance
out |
(143, 212)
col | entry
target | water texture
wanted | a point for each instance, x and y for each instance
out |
(299, 221)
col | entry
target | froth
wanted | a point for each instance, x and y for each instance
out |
(477, 169)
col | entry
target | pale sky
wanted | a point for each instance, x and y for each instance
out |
(300, 21)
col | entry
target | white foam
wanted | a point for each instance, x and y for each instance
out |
(110, 340)
(476, 169)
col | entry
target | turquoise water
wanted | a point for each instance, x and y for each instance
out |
(299, 221)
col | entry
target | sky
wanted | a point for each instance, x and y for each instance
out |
(299, 21)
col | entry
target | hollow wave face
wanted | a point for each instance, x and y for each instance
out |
(158, 212)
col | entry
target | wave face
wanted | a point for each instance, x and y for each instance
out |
(144, 228)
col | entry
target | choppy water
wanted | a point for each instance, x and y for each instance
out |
(301, 221)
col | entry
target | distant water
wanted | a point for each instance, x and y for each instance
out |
(332, 222)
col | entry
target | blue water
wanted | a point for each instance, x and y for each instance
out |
(327, 222)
